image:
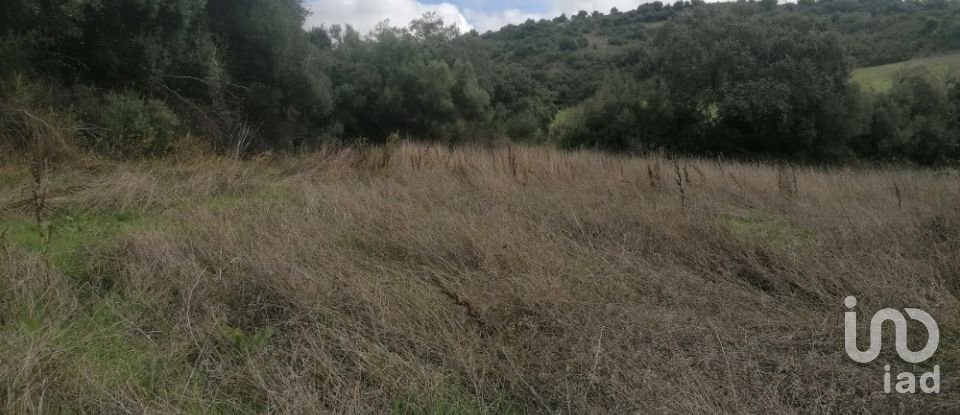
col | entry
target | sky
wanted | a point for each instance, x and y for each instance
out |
(481, 15)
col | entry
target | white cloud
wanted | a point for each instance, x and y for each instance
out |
(494, 20)
(604, 6)
(364, 15)
(484, 21)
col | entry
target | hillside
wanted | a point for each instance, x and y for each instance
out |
(881, 78)
(581, 47)
(417, 279)
(742, 79)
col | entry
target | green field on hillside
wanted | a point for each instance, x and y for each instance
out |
(881, 78)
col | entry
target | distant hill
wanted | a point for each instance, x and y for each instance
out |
(882, 77)
(571, 54)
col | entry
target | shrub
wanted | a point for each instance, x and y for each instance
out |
(916, 120)
(623, 115)
(616, 42)
(31, 120)
(522, 126)
(127, 125)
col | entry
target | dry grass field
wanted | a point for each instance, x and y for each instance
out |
(421, 279)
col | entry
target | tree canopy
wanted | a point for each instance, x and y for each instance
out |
(742, 78)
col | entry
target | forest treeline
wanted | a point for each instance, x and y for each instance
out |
(126, 77)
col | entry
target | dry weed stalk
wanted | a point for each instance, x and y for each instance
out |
(703, 177)
(39, 166)
(896, 190)
(389, 149)
(512, 161)
(654, 174)
(737, 182)
(787, 181)
(683, 192)
(38, 169)
(361, 148)
(242, 136)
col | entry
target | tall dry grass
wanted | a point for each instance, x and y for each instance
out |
(424, 279)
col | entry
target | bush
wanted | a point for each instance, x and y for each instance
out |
(129, 126)
(522, 126)
(30, 118)
(916, 120)
(568, 127)
(616, 42)
(623, 115)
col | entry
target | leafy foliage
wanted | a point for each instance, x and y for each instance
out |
(741, 78)
(408, 80)
(918, 120)
(132, 126)
(756, 84)
(286, 90)
(623, 115)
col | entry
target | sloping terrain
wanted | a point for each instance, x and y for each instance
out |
(419, 279)
(882, 78)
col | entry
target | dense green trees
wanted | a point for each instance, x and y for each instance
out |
(917, 120)
(134, 126)
(755, 84)
(750, 79)
(208, 58)
(740, 78)
(406, 81)
(281, 70)
(721, 83)
(112, 42)
(624, 115)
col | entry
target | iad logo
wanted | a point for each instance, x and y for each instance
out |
(906, 381)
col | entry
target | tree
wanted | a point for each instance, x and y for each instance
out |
(758, 85)
(320, 38)
(916, 120)
(287, 91)
(116, 43)
(411, 81)
(623, 115)
(431, 28)
(471, 100)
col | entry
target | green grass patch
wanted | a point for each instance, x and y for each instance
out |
(255, 198)
(245, 341)
(104, 347)
(67, 236)
(101, 349)
(99, 343)
(881, 78)
(10, 178)
(757, 225)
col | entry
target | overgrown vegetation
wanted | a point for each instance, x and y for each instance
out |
(163, 251)
(425, 279)
(743, 79)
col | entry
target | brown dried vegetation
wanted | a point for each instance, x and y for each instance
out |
(422, 279)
